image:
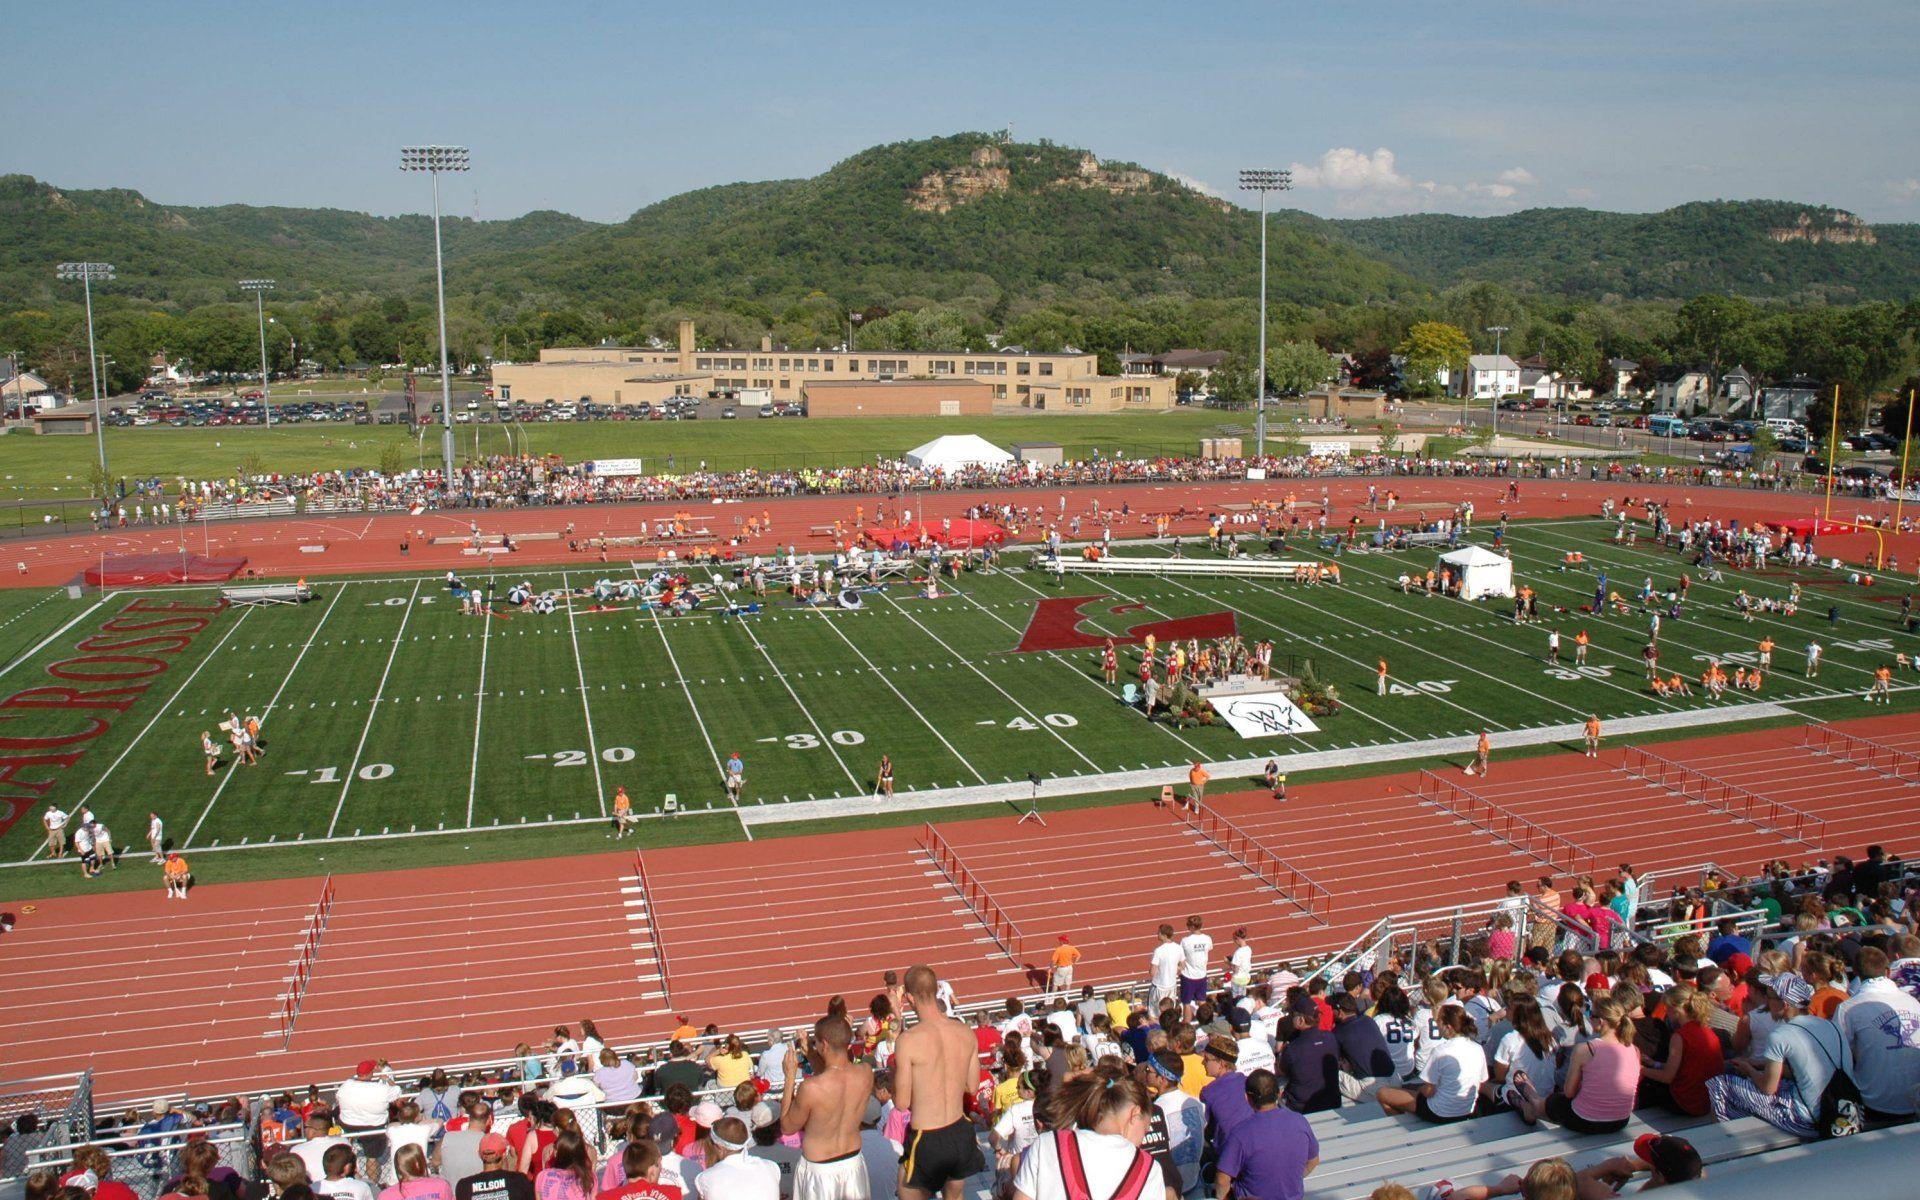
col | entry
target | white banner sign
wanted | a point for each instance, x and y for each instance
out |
(618, 466)
(1328, 449)
(1263, 714)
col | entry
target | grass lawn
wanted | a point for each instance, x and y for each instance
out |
(33, 467)
(535, 719)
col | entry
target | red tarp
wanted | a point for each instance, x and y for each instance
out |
(139, 570)
(961, 532)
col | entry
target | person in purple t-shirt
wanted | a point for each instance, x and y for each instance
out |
(1270, 1153)
(1225, 1098)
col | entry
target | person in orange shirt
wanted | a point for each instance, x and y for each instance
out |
(1196, 786)
(1678, 686)
(1580, 641)
(1065, 955)
(1380, 679)
(1882, 689)
(1593, 735)
(1482, 755)
(176, 876)
(1766, 653)
(622, 812)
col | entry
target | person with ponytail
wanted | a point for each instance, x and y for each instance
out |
(1449, 1087)
(1099, 1121)
(1603, 1075)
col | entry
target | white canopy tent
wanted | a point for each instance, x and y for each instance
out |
(955, 451)
(1481, 572)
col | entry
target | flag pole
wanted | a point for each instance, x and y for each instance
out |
(1906, 481)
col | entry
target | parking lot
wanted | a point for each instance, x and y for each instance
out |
(250, 408)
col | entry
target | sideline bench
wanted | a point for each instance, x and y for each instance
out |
(1230, 567)
(268, 593)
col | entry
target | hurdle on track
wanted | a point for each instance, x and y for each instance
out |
(1728, 799)
(1505, 825)
(1862, 752)
(653, 928)
(975, 896)
(1266, 866)
(307, 954)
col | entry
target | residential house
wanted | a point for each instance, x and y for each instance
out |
(24, 390)
(1738, 393)
(1621, 372)
(1172, 362)
(1683, 390)
(1489, 376)
(1791, 399)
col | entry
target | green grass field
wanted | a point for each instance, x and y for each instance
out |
(535, 719)
(51, 467)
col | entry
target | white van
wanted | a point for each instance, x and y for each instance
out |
(1785, 427)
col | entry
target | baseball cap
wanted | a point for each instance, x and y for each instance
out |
(763, 1114)
(367, 1067)
(1673, 1157)
(493, 1143)
(1738, 964)
(1240, 1018)
(705, 1114)
(1790, 988)
(85, 1180)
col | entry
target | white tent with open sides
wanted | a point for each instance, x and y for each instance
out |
(1481, 572)
(957, 450)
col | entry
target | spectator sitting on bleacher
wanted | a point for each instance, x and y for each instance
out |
(1310, 1064)
(361, 1104)
(91, 1170)
(1603, 1075)
(1449, 1087)
(1693, 1056)
(411, 1178)
(341, 1181)
(408, 1128)
(568, 1174)
(681, 1067)
(642, 1168)
(458, 1154)
(312, 1152)
(1784, 1084)
(438, 1097)
(496, 1180)
(1881, 1027)
(1225, 1095)
(1269, 1155)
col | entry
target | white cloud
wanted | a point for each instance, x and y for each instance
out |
(1344, 169)
(1375, 182)
(1580, 193)
(1197, 185)
(1904, 189)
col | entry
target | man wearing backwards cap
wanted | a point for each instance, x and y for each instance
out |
(1667, 1160)
(1783, 1085)
(494, 1181)
(733, 1174)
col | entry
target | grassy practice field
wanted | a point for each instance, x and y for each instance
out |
(51, 467)
(535, 719)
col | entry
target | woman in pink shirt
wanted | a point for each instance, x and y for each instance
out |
(1603, 1075)
(410, 1170)
(569, 1173)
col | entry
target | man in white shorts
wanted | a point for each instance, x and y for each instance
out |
(826, 1112)
(1163, 976)
(157, 837)
(56, 823)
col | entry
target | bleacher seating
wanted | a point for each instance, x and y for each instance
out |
(267, 593)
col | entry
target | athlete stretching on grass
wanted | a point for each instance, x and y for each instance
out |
(934, 1066)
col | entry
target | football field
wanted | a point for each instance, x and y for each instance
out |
(387, 713)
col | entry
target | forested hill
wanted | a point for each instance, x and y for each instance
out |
(966, 219)
(1764, 249)
(193, 256)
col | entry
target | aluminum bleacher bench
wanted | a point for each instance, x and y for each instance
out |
(268, 593)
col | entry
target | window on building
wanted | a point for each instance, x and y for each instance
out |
(704, 364)
(853, 365)
(1046, 368)
(1026, 369)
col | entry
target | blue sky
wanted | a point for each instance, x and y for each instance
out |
(599, 109)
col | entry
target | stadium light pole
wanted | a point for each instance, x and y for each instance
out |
(86, 273)
(1263, 180)
(260, 288)
(1496, 331)
(434, 160)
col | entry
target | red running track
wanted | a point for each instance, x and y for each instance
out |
(455, 964)
(354, 544)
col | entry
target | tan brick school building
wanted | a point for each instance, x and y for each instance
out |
(1003, 378)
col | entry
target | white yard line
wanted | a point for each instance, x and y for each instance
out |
(155, 720)
(718, 767)
(1283, 631)
(50, 638)
(233, 768)
(580, 673)
(479, 704)
(911, 706)
(1451, 627)
(818, 732)
(958, 657)
(1054, 655)
(373, 709)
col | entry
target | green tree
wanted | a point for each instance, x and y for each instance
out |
(1429, 348)
(1294, 367)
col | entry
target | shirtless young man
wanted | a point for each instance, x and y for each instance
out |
(826, 1113)
(934, 1069)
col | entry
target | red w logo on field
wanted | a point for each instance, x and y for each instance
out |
(1056, 626)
